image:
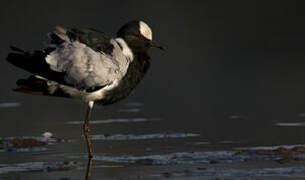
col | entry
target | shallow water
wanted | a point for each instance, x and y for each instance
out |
(133, 142)
(223, 102)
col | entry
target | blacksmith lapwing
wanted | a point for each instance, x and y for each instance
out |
(87, 64)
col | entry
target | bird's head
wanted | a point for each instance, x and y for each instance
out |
(138, 36)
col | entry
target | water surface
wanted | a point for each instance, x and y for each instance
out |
(221, 103)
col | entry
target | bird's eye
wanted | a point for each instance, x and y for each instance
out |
(137, 35)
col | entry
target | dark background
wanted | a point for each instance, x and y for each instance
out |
(232, 69)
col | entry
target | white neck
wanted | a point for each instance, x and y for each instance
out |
(125, 48)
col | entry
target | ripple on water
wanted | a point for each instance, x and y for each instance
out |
(130, 110)
(238, 174)
(201, 143)
(9, 104)
(171, 158)
(280, 154)
(134, 104)
(121, 137)
(236, 117)
(118, 120)
(38, 166)
(291, 124)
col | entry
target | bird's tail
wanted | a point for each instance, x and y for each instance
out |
(36, 85)
(25, 60)
(32, 61)
(35, 63)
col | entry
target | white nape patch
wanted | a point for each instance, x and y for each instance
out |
(125, 48)
(145, 30)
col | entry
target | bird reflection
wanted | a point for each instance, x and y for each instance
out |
(88, 171)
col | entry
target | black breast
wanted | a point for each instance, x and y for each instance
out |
(135, 73)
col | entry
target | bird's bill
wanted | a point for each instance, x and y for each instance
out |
(156, 45)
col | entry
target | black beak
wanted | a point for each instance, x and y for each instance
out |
(156, 45)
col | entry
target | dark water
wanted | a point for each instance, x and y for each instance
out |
(232, 76)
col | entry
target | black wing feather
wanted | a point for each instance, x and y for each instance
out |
(34, 62)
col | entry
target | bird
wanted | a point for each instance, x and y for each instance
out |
(86, 64)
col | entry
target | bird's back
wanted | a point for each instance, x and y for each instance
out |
(96, 62)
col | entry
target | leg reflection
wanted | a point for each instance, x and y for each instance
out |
(88, 172)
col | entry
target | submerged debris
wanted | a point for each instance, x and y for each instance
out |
(21, 144)
(27, 143)
(24, 143)
(279, 154)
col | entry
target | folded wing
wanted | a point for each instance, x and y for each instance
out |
(83, 59)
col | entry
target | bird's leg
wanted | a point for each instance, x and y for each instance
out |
(86, 128)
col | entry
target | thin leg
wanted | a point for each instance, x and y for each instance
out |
(86, 128)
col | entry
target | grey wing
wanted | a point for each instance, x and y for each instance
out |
(83, 67)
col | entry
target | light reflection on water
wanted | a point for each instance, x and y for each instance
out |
(128, 137)
(10, 105)
(291, 124)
